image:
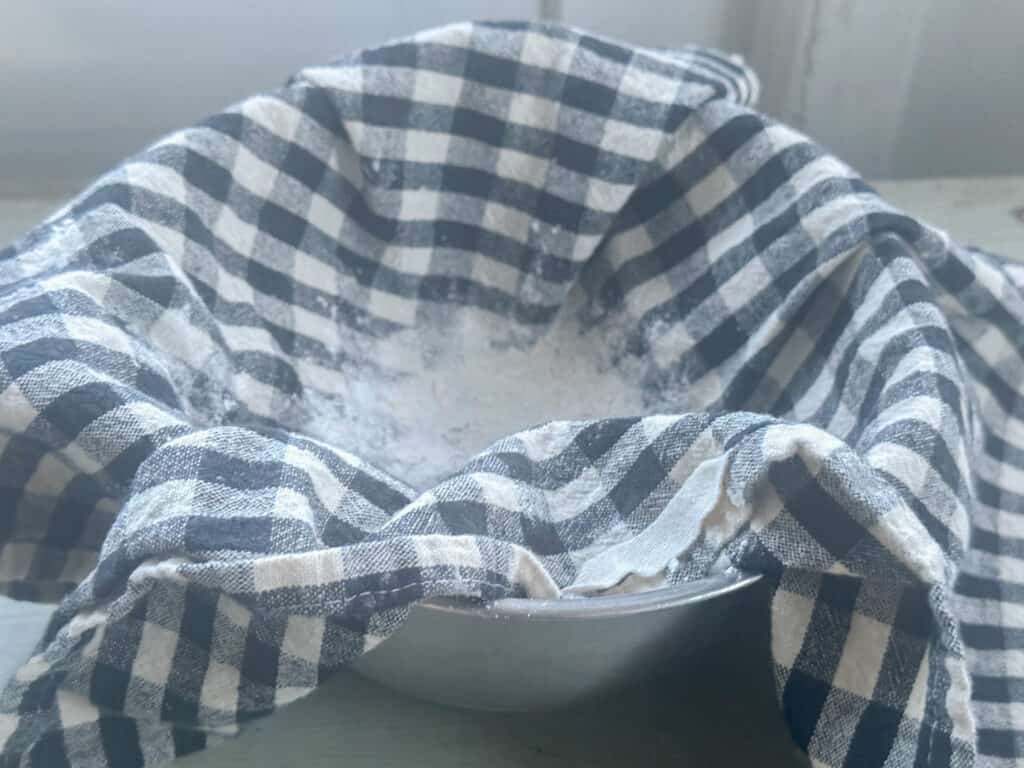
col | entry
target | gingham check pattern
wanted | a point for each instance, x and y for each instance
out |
(851, 415)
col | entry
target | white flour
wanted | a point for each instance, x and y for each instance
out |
(421, 411)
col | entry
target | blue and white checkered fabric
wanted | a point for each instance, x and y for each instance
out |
(850, 397)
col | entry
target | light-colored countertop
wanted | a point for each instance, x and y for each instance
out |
(985, 211)
(717, 711)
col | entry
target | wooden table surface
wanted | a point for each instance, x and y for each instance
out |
(718, 711)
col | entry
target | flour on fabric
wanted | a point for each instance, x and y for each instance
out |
(423, 402)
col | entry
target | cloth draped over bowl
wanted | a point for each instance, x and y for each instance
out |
(844, 389)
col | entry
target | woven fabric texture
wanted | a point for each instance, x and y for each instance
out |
(847, 417)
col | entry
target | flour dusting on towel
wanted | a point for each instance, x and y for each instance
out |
(503, 310)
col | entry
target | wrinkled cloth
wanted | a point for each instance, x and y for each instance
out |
(847, 420)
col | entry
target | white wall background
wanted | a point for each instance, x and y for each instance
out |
(897, 87)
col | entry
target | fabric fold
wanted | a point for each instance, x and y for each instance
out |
(228, 365)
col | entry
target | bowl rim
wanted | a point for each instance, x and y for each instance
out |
(601, 606)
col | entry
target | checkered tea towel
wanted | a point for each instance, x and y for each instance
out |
(824, 391)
